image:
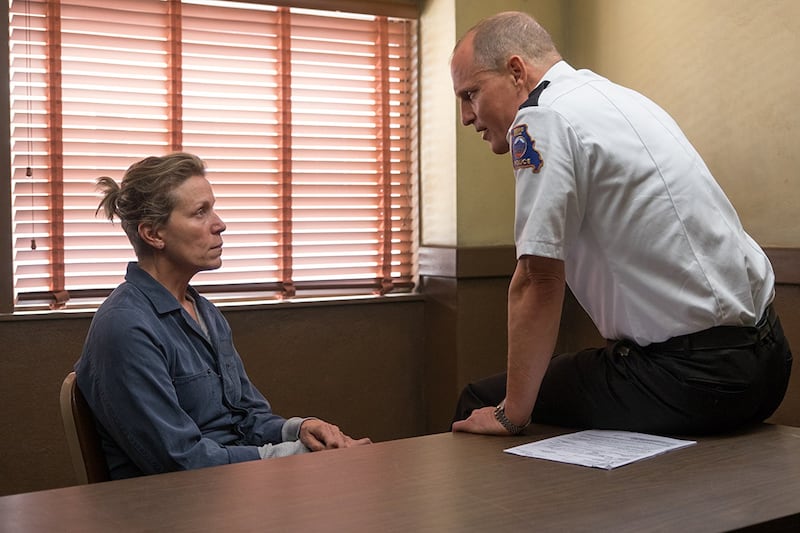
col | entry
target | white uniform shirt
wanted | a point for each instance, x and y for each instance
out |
(607, 182)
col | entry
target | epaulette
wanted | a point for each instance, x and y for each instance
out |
(533, 98)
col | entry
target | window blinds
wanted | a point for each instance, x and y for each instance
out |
(305, 118)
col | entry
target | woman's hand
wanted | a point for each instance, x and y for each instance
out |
(319, 435)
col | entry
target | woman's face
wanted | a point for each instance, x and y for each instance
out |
(192, 239)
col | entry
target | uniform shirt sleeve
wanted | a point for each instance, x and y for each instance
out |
(550, 196)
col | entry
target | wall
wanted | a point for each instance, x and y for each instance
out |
(726, 72)
(330, 361)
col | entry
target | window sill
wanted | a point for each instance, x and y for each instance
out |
(236, 306)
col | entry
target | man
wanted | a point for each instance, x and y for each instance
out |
(612, 199)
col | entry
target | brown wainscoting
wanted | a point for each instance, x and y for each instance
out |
(465, 321)
(786, 264)
(328, 360)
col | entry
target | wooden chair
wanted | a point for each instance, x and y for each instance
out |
(85, 450)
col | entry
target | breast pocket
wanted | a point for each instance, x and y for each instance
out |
(197, 393)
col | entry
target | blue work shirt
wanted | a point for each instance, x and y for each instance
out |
(166, 396)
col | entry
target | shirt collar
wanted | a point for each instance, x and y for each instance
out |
(163, 301)
(561, 68)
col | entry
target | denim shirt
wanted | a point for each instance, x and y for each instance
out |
(166, 396)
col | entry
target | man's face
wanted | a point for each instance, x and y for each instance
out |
(489, 99)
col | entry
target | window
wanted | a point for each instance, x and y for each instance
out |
(305, 118)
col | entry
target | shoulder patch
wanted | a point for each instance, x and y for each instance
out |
(533, 98)
(522, 150)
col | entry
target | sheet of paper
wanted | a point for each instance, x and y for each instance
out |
(599, 448)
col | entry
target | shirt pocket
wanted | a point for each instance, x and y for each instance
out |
(198, 393)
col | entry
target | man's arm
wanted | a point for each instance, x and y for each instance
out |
(535, 299)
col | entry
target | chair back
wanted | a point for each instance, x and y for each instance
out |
(85, 450)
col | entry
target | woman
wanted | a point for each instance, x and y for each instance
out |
(158, 368)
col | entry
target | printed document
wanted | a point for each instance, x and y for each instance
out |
(600, 448)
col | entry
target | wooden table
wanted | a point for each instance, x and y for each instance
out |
(445, 482)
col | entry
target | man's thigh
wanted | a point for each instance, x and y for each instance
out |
(624, 387)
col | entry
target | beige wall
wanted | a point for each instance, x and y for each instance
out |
(725, 70)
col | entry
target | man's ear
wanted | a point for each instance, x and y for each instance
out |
(518, 69)
(150, 235)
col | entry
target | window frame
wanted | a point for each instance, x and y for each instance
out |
(401, 8)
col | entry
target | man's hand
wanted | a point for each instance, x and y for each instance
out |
(319, 435)
(481, 421)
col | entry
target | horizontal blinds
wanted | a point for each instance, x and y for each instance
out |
(310, 149)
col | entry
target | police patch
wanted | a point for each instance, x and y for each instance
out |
(523, 153)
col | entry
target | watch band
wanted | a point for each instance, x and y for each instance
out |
(511, 427)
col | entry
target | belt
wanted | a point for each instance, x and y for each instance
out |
(721, 336)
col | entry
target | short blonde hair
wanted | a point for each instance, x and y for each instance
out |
(500, 36)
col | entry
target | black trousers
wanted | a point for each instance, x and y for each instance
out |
(707, 382)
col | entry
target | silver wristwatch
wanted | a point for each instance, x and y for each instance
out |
(511, 427)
